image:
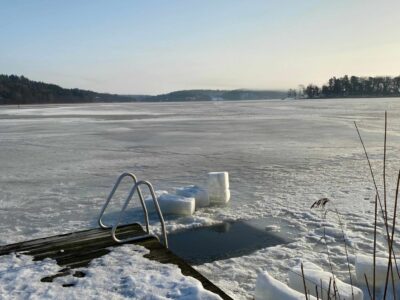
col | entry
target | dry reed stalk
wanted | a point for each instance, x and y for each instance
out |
(385, 202)
(374, 257)
(307, 280)
(326, 245)
(321, 204)
(304, 281)
(390, 266)
(391, 243)
(384, 166)
(369, 291)
(347, 254)
(384, 215)
(372, 173)
(329, 289)
(322, 293)
(335, 288)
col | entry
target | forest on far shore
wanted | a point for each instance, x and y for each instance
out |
(351, 87)
(20, 90)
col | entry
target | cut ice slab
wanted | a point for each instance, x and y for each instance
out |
(193, 191)
(316, 277)
(269, 288)
(218, 187)
(172, 204)
(219, 196)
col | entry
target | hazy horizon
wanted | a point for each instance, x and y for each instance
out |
(157, 47)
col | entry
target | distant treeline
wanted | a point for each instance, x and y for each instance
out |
(20, 90)
(210, 95)
(355, 87)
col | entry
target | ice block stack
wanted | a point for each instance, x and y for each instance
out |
(172, 204)
(196, 192)
(218, 187)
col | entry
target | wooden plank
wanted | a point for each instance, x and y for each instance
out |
(69, 238)
(82, 244)
(78, 249)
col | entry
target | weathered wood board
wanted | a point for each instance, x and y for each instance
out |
(78, 249)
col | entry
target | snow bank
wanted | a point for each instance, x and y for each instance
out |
(122, 274)
(172, 204)
(314, 275)
(268, 288)
(218, 187)
(364, 265)
(192, 191)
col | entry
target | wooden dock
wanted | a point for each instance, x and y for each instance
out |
(78, 249)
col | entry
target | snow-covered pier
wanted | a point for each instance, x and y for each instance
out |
(77, 249)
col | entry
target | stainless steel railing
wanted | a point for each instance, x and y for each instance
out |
(132, 191)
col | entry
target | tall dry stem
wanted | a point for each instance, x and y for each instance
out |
(374, 257)
(391, 243)
(304, 281)
(384, 214)
(329, 288)
(368, 289)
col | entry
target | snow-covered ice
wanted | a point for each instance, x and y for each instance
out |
(58, 164)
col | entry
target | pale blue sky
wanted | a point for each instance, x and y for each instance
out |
(159, 46)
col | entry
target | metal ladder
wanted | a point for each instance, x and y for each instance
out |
(132, 191)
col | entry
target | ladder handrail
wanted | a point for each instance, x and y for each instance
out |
(128, 199)
(116, 185)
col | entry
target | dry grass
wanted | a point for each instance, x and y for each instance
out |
(383, 213)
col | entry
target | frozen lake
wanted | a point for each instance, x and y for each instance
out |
(58, 164)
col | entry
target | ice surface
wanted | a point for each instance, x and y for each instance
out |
(196, 192)
(316, 276)
(268, 288)
(172, 204)
(218, 187)
(59, 162)
(122, 274)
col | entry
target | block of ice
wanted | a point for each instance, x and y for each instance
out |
(219, 178)
(172, 204)
(268, 288)
(219, 196)
(364, 265)
(314, 276)
(196, 192)
(218, 187)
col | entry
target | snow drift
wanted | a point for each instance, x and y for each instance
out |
(317, 277)
(268, 288)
